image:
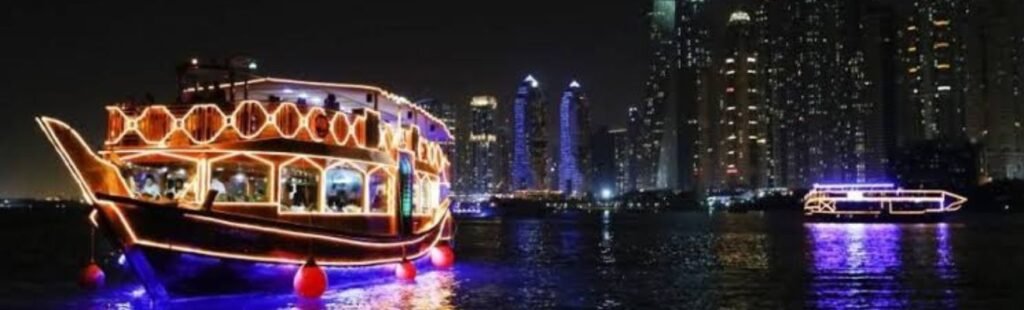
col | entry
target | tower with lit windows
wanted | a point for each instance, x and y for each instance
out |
(574, 142)
(480, 166)
(933, 54)
(802, 56)
(693, 86)
(652, 150)
(634, 125)
(621, 152)
(530, 160)
(995, 105)
(741, 126)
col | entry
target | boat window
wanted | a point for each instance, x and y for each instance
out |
(344, 190)
(240, 179)
(417, 195)
(161, 180)
(299, 187)
(426, 193)
(380, 192)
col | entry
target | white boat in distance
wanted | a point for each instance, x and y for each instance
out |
(878, 200)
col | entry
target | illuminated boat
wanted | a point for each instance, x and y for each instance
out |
(879, 200)
(257, 171)
(475, 209)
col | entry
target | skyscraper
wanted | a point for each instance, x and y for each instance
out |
(693, 86)
(634, 125)
(574, 142)
(480, 160)
(806, 89)
(742, 140)
(530, 160)
(652, 158)
(870, 94)
(933, 53)
(996, 101)
(622, 152)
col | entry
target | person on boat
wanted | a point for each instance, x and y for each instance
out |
(149, 187)
(380, 200)
(217, 185)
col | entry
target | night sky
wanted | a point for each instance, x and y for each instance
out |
(69, 60)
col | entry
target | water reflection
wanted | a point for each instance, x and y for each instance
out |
(855, 265)
(625, 261)
(432, 290)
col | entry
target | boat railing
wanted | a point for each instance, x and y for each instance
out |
(206, 124)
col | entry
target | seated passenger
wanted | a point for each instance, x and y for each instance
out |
(150, 188)
(217, 185)
(380, 201)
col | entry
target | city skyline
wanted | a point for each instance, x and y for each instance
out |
(72, 65)
(832, 101)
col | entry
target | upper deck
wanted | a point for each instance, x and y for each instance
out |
(356, 117)
(341, 97)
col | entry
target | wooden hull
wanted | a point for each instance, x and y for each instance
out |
(178, 252)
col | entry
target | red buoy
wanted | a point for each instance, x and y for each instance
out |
(92, 277)
(405, 270)
(310, 281)
(442, 256)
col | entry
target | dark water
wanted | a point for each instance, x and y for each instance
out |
(675, 260)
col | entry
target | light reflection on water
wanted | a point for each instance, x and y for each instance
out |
(857, 265)
(432, 290)
(683, 260)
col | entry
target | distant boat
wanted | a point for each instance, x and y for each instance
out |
(878, 201)
(475, 211)
(349, 175)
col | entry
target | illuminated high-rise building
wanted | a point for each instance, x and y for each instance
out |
(742, 141)
(933, 54)
(480, 159)
(803, 47)
(652, 157)
(574, 142)
(634, 125)
(622, 151)
(693, 100)
(996, 89)
(530, 160)
(868, 97)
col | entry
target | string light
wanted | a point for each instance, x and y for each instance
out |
(134, 239)
(825, 199)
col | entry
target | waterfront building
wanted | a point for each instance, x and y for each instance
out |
(654, 110)
(741, 160)
(933, 54)
(574, 142)
(531, 162)
(634, 125)
(621, 152)
(480, 164)
(694, 99)
(996, 89)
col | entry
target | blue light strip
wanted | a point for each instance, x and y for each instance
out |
(853, 185)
